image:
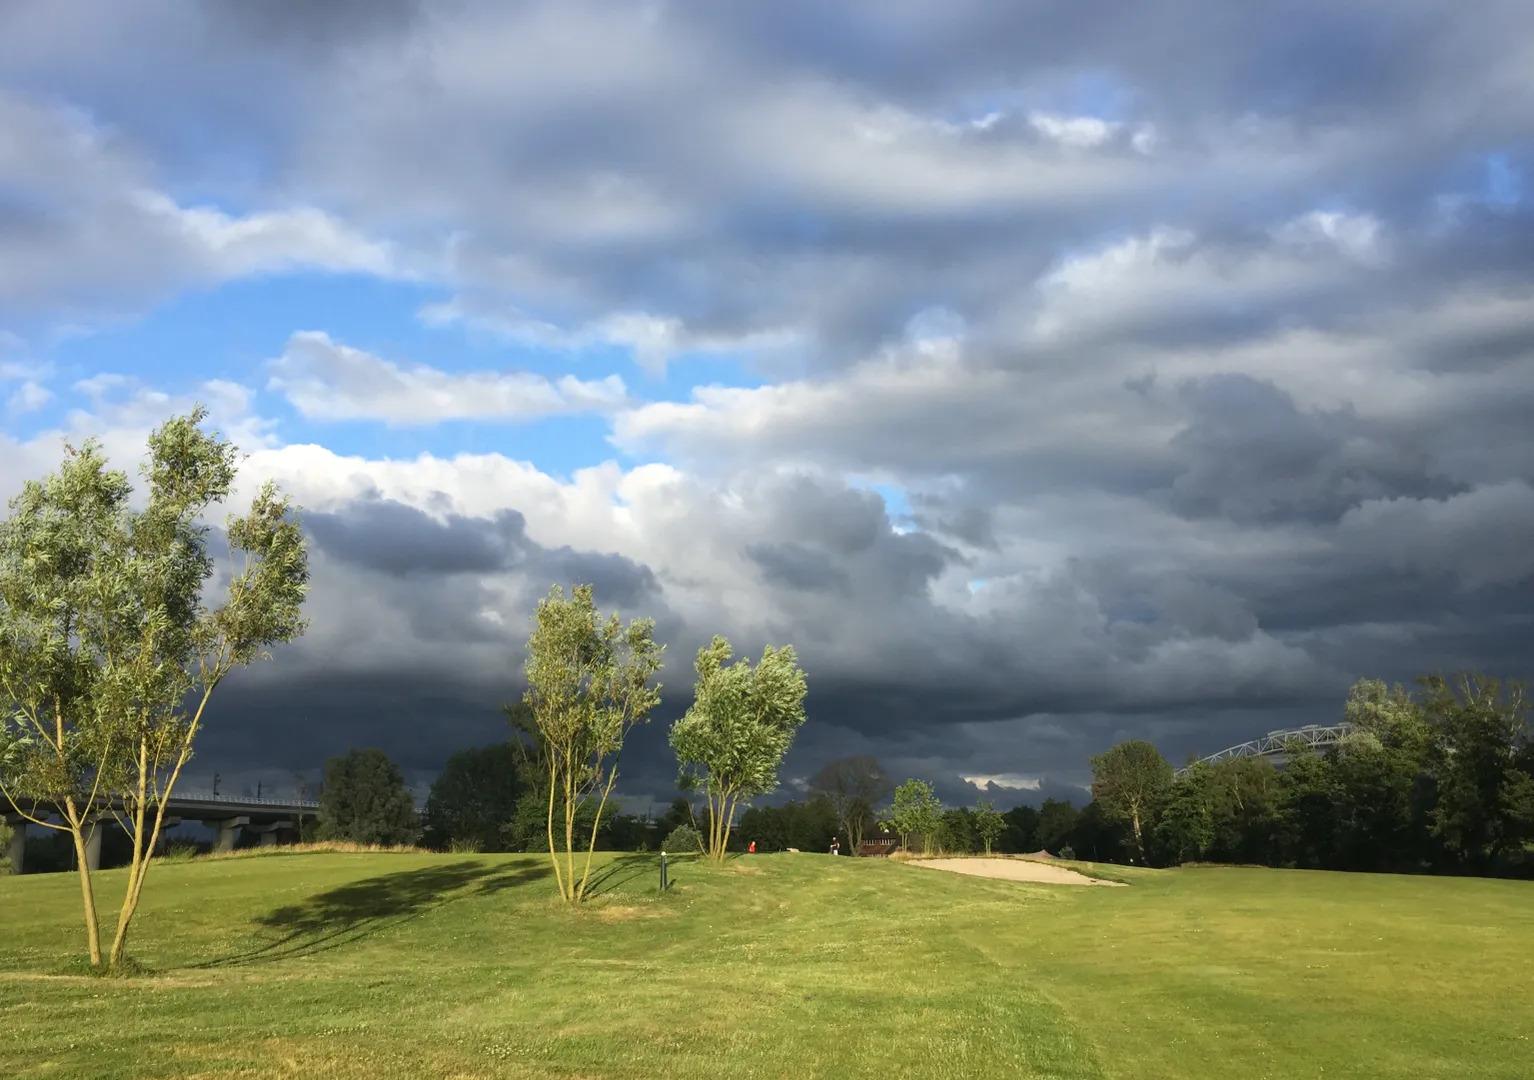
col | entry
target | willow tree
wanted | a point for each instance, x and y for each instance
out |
(732, 740)
(589, 680)
(915, 811)
(108, 654)
(989, 824)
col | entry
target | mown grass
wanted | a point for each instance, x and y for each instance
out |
(412, 965)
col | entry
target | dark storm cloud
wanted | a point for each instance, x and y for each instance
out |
(333, 25)
(397, 539)
(1250, 454)
(616, 579)
(400, 540)
(795, 566)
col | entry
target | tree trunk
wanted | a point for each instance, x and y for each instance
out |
(87, 891)
(1134, 817)
(713, 825)
(570, 809)
(715, 812)
(596, 824)
(852, 824)
(143, 853)
(729, 822)
(136, 864)
(716, 825)
(553, 852)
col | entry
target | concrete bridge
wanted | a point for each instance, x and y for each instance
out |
(226, 815)
(1314, 737)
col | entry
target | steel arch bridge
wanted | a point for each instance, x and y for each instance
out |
(1310, 737)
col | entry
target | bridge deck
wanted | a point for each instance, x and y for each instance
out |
(226, 815)
(1309, 737)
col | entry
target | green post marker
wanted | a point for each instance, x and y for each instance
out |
(663, 882)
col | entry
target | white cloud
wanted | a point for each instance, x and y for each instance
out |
(23, 369)
(1014, 781)
(1359, 236)
(326, 380)
(655, 340)
(1080, 132)
(301, 238)
(28, 397)
(105, 236)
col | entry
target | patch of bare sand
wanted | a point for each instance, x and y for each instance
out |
(625, 912)
(1013, 870)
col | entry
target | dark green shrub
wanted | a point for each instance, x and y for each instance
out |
(683, 840)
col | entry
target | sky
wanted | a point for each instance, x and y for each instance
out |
(1047, 375)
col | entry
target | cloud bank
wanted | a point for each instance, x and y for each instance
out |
(1047, 377)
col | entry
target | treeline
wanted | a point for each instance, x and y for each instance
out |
(1435, 779)
(485, 799)
(1440, 779)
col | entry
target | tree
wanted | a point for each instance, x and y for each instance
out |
(1377, 827)
(732, 740)
(1307, 812)
(365, 801)
(956, 832)
(474, 798)
(108, 655)
(589, 680)
(854, 786)
(1186, 829)
(989, 824)
(1480, 727)
(1244, 796)
(1057, 820)
(630, 832)
(915, 811)
(1129, 781)
(1022, 831)
(683, 840)
(1388, 713)
(528, 828)
(1095, 836)
(680, 812)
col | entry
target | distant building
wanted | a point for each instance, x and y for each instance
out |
(879, 844)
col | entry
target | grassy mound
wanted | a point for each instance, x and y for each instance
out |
(412, 965)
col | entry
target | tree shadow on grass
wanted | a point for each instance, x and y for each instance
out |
(349, 913)
(626, 868)
(623, 869)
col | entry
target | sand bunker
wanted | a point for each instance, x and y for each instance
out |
(1013, 870)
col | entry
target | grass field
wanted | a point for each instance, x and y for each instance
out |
(377, 966)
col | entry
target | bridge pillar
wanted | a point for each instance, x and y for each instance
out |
(268, 832)
(18, 847)
(93, 844)
(228, 831)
